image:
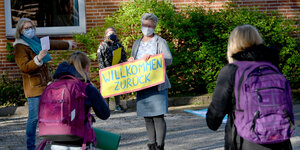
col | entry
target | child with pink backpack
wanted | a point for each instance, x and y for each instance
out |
(64, 114)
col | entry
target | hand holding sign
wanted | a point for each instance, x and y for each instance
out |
(146, 57)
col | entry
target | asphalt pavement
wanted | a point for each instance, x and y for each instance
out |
(185, 131)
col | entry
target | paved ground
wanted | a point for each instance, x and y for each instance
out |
(185, 131)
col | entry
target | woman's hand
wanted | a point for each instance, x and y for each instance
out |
(131, 59)
(146, 57)
(42, 54)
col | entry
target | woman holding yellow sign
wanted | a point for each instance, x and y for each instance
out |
(152, 103)
(109, 53)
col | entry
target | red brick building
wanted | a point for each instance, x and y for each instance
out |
(93, 12)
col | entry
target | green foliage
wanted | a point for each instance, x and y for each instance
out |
(198, 39)
(10, 49)
(11, 92)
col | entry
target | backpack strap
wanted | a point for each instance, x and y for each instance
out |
(42, 145)
(87, 127)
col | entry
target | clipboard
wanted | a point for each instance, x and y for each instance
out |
(116, 56)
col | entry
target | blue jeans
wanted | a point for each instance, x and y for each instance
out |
(33, 108)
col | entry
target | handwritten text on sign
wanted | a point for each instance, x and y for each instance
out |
(132, 76)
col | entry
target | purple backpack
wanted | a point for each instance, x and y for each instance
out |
(61, 112)
(264, 109)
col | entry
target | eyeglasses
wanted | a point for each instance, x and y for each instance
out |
(148, 25)
(27, 28)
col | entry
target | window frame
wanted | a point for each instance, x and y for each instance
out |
(51, 31)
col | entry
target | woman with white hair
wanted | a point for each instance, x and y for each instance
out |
(32, 61)
(244, 44)
(152, 103)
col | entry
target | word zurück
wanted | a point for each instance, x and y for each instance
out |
(132, 76)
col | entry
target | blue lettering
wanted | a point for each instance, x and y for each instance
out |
(128, 82)
(147, 78)
(106, 80)
(148, 63)
(127, 70)
(153, 64)
(116, 75)
(140, 79)
(141, 66)
(112, 75)
(135, 70)
(116, 88)
(159, 64)
(124, 84)
(121, 73)
(137, 81)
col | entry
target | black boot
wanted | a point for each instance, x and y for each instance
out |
(160, 147)
(152, 146)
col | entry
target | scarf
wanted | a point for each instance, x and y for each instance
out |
(35, 44)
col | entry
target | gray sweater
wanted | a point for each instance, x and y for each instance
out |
(162, 47)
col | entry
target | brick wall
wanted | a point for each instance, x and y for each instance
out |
(97, 10)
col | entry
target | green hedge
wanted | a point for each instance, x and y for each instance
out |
(198, 39)
(11, 92)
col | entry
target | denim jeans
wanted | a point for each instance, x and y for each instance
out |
(33, 108)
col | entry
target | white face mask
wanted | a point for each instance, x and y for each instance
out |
(147, 31)
(29, 33)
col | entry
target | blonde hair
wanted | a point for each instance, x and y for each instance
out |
(106, 31)
(242, 37)
(20, 25)
(81, 62)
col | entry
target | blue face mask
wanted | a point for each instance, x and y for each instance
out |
(29, 33)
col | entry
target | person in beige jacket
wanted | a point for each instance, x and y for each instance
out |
(32, 61)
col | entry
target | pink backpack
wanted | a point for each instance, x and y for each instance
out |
(61, 112)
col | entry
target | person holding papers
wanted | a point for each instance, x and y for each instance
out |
(109, 53)
(152, 103)
(32, 61)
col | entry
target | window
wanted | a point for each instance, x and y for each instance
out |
(52, 17)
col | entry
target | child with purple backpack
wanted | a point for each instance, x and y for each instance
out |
(55, 120)
(254, 94)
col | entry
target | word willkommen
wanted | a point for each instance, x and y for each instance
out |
(129, 77)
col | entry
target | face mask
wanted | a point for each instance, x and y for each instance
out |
(112, 37)
(29, 33)
(147, 31)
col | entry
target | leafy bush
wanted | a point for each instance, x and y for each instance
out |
(11, 92)
(198, 39)
(10, 49)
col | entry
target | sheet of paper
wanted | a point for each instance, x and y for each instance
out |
(116, 56)
(45, 42)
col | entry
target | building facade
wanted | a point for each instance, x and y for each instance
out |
(60, 18)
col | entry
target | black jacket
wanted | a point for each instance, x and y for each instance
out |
(223, 100)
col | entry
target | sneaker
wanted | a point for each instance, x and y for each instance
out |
(119, 108)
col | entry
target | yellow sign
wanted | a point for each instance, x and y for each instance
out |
(116, 56)
(132, 76)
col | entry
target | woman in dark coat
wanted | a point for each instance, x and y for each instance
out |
(245, 44)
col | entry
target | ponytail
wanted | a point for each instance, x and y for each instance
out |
(80, 61)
